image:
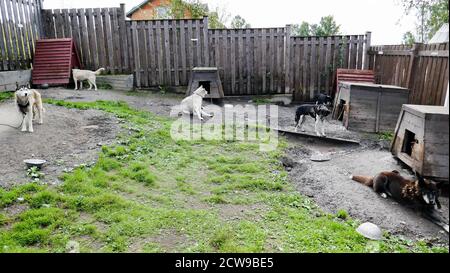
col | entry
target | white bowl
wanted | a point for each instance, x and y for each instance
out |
(34, 162)
(370, 231)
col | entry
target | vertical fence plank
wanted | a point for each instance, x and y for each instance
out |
(100, 38)
(92, 39)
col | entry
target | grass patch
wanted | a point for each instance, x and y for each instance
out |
(388, 136)
(6, 95)
(148, 183)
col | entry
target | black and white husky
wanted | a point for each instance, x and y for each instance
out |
(318, 112)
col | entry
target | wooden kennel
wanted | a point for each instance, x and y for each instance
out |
(421, 140)
(369, 107)
(209, 78)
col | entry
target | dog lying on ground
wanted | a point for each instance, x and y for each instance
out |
(318, 112)
(420, 193)
(29, 104)
(193, 103)
(323, 99)
(82, 75)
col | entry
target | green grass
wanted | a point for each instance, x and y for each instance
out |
(6, 95)
(148, 185)
(386, 136)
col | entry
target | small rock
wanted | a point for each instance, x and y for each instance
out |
(20, 199)
(288, 162)
(45, 205)
(73, 247)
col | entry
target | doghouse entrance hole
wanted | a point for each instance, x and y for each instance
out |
(206, 85)
(408, 142)
(341, 109)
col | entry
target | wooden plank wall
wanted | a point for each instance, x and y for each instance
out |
(165, 51)
(250, 61)
(422, 68)
(20, 27)
(100, 35)
(314, 61)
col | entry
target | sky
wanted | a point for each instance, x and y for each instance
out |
(384, 18)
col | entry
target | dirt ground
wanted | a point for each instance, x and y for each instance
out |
(68, 138)
(328, 183)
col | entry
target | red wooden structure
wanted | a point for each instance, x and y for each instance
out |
(350, 75)
(354, 75)
(54, 60)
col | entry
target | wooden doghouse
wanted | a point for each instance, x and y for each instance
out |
(421, 140)
(369, 107)
(209, 78)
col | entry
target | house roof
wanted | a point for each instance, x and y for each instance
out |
(441, 35)
(136, 8)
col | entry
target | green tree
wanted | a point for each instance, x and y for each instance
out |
(326, 27)
(431, 14)
(197, 9)
(409, 38)
(301, 30)
(239, 22)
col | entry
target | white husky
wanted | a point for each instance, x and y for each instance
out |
(193, 103)
(29, 104)
(90, 76)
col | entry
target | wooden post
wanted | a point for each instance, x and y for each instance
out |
(287, 59)
(205, 40)
(411, 68)
(366, 51)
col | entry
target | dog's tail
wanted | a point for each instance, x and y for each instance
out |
(99, 71)
(366, 180)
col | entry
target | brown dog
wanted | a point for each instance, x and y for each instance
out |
(420, 193)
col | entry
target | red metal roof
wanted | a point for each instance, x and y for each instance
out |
(54, 60)
(354, 75)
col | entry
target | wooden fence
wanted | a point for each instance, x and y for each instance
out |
(250, 61)
(100, 35)
(165, 51)
(422, 68)
(20, 26)
(314, 60)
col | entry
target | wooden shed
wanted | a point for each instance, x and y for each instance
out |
(369, 107)
(421, 140)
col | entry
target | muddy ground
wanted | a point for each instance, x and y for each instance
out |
(68, 138)
(327, 183)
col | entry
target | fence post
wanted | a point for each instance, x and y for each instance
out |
(205, 40)
(287, 60)
(411, 68)
(137, 65)
(123, 34)
(366, 51)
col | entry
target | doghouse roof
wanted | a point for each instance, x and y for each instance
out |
(373, 85)
(422, 110)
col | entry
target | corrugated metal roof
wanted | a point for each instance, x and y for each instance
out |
(53, 61)
(441, 35)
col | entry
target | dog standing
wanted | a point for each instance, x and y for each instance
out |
(90, 76)
(29, 104)
(323, 99)
(318, 112)
(193, 103)
(420, 193)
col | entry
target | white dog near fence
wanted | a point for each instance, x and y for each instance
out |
(82, 75)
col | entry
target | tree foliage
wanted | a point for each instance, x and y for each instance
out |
(326, 27)
(431, 14)
(409, 38)
(239, 22)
